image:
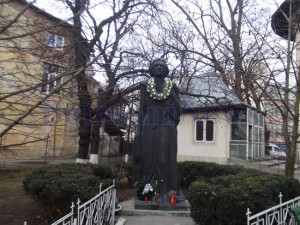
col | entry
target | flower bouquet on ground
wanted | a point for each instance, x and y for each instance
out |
(147, 191)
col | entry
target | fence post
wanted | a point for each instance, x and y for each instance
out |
(248, 214)
(280, 208)
(113, 203)
(72, 217)
(280, 198)
(99, 211)
(78, 212)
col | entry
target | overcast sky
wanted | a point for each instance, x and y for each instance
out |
(58, 9)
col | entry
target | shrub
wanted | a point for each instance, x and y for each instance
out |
(57, 186)
(102, 172)
(190, 171)
(123, 170)
(225, 199)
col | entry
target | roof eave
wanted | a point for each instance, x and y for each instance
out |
(209, 108)
(46, 14)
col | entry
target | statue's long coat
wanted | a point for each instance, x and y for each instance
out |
(155, 153)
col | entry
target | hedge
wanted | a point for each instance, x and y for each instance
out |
(57, 186)
(190, 171)
(224, 199)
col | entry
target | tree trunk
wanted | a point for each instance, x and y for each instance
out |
(95, 140)
(84, 125)
(291, 142)
(82, 54)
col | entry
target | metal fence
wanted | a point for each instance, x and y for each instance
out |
(277, 215)
(99, 210)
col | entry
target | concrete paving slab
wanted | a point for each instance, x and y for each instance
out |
(157, 220)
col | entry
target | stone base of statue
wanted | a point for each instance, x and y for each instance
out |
(168, 203)
(148, 198)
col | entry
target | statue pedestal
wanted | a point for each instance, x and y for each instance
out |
(181, 205)
(151, 205)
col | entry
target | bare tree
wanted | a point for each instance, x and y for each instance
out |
(102, 47)
(286, 24)
(26, 92)
(99, 41)
(233, 38)
(226, 42)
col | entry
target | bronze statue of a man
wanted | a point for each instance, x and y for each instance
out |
(156, 156)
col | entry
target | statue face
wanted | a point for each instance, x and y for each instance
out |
(158, 68)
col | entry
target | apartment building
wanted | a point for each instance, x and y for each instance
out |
(37, 85)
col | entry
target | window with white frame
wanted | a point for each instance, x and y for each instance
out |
(204, 130)
(55, 41)
(51, 78)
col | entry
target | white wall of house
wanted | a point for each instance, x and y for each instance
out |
(191, 150)
(109, 145)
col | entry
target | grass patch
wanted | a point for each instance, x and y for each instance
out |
(10, 174)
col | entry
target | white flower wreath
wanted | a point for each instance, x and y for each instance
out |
(159, 95)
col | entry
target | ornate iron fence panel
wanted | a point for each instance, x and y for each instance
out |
(99, 210)
(67, 219)
(277, 215)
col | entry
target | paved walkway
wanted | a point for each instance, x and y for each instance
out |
(156, 220)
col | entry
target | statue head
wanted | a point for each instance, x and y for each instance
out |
(158, 62)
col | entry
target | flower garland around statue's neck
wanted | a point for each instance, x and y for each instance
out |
(159, 95)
